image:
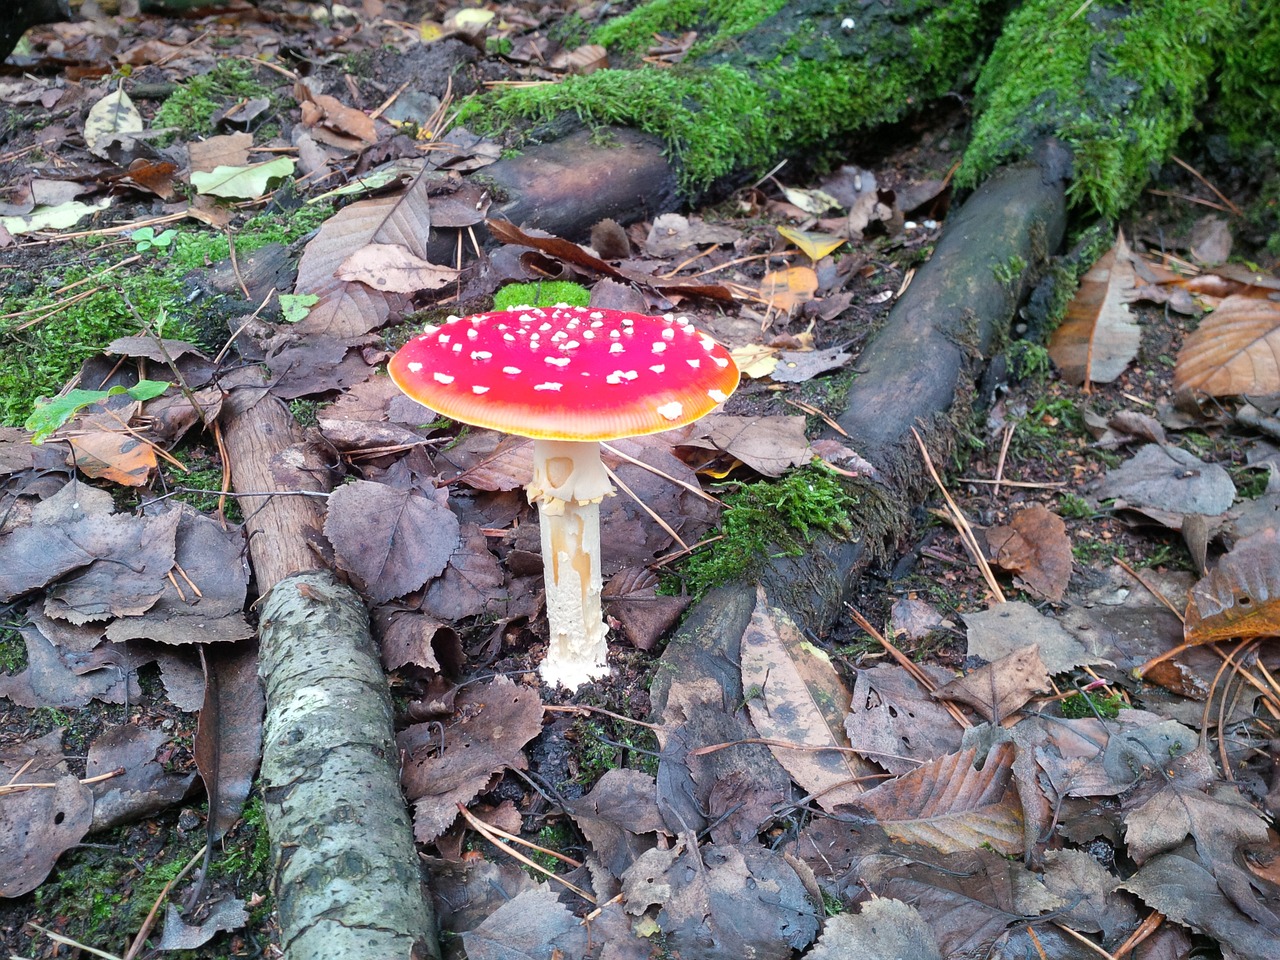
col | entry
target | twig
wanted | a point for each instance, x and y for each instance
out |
(1004, 452)
(492, 834)
(68, 942)
(1084, 940)
(814, 411)
(635, 461)
(582, 708)
(801, 747)
(670, 531)
(967, 536)
(12, 787)
(150, 921)
(1214, 190)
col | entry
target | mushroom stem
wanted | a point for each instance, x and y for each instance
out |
(569, 481)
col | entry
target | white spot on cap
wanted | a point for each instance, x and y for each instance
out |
(671, 410)
(511, 370)
(508, 337)
(548, 386)
(457, 348)
(415, 367)
(481, 355)
(659, 368)
(558, 336)
(472, 333)
(545, 327)
(451, 319)
(479, 389)
(615, 334)
(619, 375)
(694, 363)
(717, 395)
(659, 346)
(443, 338)
(596, 315)
(588, 334)
(720, 361)
(682, 321)
(596, 324)
(707, 343)
(571, 345)
(442, 377)
(558, 361)
(617, 348)
(668, 334)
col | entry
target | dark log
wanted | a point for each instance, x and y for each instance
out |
(346, 874)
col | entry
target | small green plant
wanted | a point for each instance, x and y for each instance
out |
(306, 412)
(1083, 704)
(1074, 507)
(13, 650)
(782, 515)
(1029, 361)
(296, 306)
(547, 294)
(146, 238)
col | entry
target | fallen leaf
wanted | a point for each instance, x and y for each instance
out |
(884, 929)
(112, 119)
(444, 767)
(221, 915)
(228, 740)
(1171, 480)
(786, 289)
(532, 924)
(1035, 547)
(770, 445)
(1241, 597)
(815, 246)
(631, 597)
(582, 60)
(391, 540)
(1235, 350)
(673, 232)
(390, 267)
(119, 457)
(895, 723)
(795, 696)
(61, 217)
(142, 787)
(1002, 687)
(1007, 627)
(951, 805)
(1098, 336)
(797, 366)
(813, 202)
(242, 183)
(37, 826)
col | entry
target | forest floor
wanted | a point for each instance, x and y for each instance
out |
(343, 99)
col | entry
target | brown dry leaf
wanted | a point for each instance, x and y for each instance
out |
(1035, 547)
(951, 806)
(471, 585)
(893, 721)
(631, 597)
(768, 445)
(391, 540)
(229, 735)
(390, 267)
(795, 695)
(1241, 598)
(673, 232)
(786, 289)
(231, 150)
(1098, 338)
(491, 725)
(1003, 687)
(37, 826)
(144, 787)
(333, 116)
(1236, 350)
(585, 59)
(119, 457)
(532, 924)
(619, 817)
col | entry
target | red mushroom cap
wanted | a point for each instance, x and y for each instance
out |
(567, 373)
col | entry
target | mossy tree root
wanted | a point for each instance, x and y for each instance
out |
(348, 884)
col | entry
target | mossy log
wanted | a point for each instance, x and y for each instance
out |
(346, 874)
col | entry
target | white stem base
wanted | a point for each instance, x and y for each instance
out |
(569, 483)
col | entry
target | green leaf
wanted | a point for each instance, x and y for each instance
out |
(295, 306)
(53, 218)
(49, 415)
(241, 183)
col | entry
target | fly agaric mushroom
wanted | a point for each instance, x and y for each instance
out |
(568, 377)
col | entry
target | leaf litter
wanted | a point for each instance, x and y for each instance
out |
(915, 857)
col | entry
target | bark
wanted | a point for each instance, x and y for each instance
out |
(347, 879)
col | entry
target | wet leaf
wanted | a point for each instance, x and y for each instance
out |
(1241, 597)
(794, 695)
(950, 805)
(112, 119)
(242, 183)
(619, 817)
(884, 929)
(533, 924)
(1007, 627)
(1235, 350)
(37, 826)
(119, 457)
(143, 786)
(895, 723)
(631, 597)
(391, 540)
(1035, 547)
(797, 366)
(1098, 337)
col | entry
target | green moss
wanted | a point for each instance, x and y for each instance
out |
(1118, 83)
(547, 294)
(605, 745)
(190, 109)
(1249, 103)
(633, 32)
(779, 516)
(1081, 705)
(1072, 506)
(1029, 361)
(799, 82)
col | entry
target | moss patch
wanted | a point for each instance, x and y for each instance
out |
(190, 109)
(798, 82)
(1118, 83)
(719, 19)
(770, 517)
(549, 294)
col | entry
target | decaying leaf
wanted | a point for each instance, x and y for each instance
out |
(951, 805)
(1098, 337)
(112, 120)
(1235, 350)
(786, 289)
(769, 445)
(1007, 627)
(1168, 480)
(893, 721)
(1035, 547)
(142, 785)
(1001, 688)
(229, 735)
(119, 457)
(391, 540)
(493, 722)
(795, 696)
(390, 267)
(885, 929)
(1241, 597)
(533, 924)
